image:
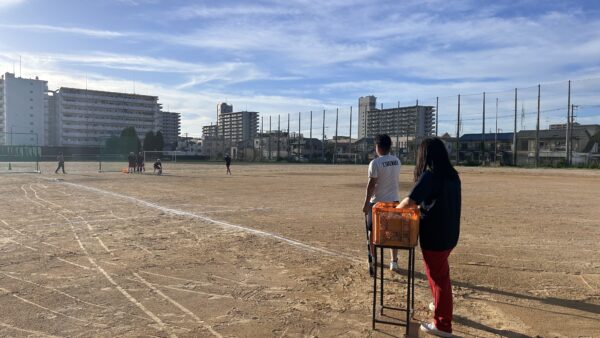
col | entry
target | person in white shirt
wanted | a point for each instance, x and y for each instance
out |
(384, 174)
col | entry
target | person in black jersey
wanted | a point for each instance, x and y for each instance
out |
(437, 192)
(140, 162)
(227, 164)
(157, 167)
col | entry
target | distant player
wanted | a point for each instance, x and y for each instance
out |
(140, 163)
(157, 167)
(131, 159)
(227, 164)
(61, 163)
(384, 174)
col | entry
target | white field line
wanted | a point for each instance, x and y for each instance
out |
(38, 333)
(44, 200)
(211, 295)
(181, 307)
(160, 323)
(113, 282)
(56, 312)
(143, 248)
(70, 296)
(74, 264)
(30, 199)
(261, 233)
(101, 220)
(21, 244)
(55, 290)
(586, 283)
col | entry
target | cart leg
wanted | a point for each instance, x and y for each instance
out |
(413, 281)
(381, 296)
(408, 292)
(374, 287)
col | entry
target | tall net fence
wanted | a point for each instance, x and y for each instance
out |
(550, 124)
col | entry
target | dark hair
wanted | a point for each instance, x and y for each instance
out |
(383, 141)
(433, 156)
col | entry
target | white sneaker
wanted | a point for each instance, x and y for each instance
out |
(393, 266)
(431, 329)
(431, 307)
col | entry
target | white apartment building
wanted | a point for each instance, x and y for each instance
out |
(23, 111)
(170, 126)
(407, 122)
(89, 117)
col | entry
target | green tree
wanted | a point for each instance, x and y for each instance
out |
(130, 141)
(160, 141)
(112, 145)
(149, 141)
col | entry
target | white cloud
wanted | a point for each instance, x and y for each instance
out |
(230, 12)
(7, 3)
(69, 30)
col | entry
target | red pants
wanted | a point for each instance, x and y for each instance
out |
(438, 274)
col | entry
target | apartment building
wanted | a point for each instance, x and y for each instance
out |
(23, 111)
(410, 121)
(89, 117)
(170, 126)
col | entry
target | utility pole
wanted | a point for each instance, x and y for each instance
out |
(496, 138)
(573, 107)
(483, 130)
(458, 132)
(568, 129)
(261, 137)
(299, 131)
(336, 134)
(278, 134)
(323, 138)
(437, 115)
(289, 148)
(310, 137)
(269, 137)
(398, 119)
(416, 139)
(515, 133)
(537, 130)
(350, 133)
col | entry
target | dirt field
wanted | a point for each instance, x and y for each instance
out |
(279, 251)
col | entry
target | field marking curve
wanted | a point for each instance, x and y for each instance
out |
(257, 232)
(179, 306)
(92, 261)
(39, 333)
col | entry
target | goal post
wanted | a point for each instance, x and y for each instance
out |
(164, 156)
(20, 159)
(111, 163)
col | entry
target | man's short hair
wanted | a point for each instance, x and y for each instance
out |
(383, 141)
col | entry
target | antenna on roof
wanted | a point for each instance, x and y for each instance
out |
(20, 67)
(86, 87)
(133, 86)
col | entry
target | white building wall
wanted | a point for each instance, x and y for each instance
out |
(89, 117)
(24, 111)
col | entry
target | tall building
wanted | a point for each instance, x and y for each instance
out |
(89, 117)
(238, 126)
(23, 111)
(365, 104)
(411, 121)
(170, 126)
(223, 108)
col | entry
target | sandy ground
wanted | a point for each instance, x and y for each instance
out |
(279, 251)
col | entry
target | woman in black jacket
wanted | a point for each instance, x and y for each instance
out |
(437, 192)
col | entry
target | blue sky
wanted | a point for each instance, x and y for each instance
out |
(290, 56)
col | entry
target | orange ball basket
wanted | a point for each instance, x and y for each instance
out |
(395, 227)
